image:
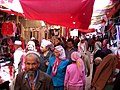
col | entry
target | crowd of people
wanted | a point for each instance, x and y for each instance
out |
(65, 65)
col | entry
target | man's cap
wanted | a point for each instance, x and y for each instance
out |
(17, 42)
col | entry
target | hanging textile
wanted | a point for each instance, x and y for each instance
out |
(7, 28)
(68, 13)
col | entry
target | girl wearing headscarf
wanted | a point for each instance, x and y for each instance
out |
(46, 52)
(57, 67)
(75, 73)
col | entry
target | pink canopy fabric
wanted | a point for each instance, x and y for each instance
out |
(68, 13)
(90, 30)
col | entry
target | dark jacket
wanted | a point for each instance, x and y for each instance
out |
(117, 82)
(43, 82)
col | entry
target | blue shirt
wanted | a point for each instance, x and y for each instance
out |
(26, 77)
(58, 80)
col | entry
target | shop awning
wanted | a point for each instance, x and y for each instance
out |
(68, 13)
(13, 5)
(11, 12)
(90, 30)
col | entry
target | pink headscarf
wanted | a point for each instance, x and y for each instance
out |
(75, 56)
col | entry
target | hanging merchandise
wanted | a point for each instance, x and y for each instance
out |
(118, 32)
(7, 28)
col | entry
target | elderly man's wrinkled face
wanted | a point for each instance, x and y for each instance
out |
(31, 64)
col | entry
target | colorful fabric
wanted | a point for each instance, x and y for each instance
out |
(7, 28)
(55, 66)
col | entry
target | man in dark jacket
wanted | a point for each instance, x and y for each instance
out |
(32, 78)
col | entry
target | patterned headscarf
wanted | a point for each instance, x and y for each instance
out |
(31, 46)
(75, 56)
(61, 51)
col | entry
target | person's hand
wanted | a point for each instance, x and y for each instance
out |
(47, 63)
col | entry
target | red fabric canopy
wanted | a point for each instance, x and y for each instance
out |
(68, 13)
(87, 30)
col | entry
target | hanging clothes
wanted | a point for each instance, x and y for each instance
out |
(7, 28)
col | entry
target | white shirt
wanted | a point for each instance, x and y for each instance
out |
(17, 58)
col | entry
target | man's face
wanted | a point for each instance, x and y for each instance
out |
(31, 64)
(57, 42)
(82, 41)
(104, 42)
(69, 44)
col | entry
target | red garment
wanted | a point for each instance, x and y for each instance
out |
(7, 28)
(55, 66)
(118, 62)
(23, 44)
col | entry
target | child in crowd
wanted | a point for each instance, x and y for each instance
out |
(75, 73)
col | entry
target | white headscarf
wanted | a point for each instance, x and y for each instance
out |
(31, 46)
(45, 43)
(61, 51)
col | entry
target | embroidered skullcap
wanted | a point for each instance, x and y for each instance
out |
(32, 38)
(61, 51)
(33, 53)
(17, 42)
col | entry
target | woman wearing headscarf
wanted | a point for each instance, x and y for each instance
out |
(46, 52)
(97, 53)
(75, 73)
(57, 67)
